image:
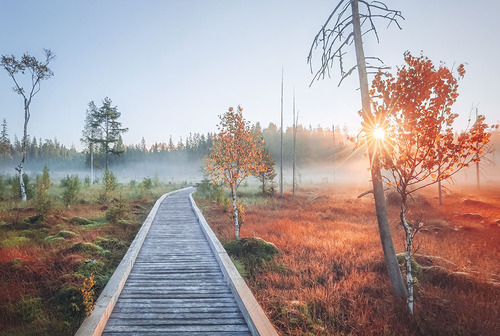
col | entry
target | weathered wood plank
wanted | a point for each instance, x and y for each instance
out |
(178, 328)
(177, 333)
(176, 285)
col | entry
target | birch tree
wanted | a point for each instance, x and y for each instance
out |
(418, 143)
(36, 72)
(236, 154)
(345, 26)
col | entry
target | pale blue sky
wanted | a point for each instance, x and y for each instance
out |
(172, 67)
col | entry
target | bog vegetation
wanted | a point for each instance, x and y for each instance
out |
(58, 250)
(329, 276)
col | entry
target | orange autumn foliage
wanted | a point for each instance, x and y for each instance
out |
(88, 294)
(236, 152)
(414, 109)
(235, 155)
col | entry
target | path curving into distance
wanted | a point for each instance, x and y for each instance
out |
(179, 282)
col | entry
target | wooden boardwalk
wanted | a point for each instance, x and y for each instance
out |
(176, 279)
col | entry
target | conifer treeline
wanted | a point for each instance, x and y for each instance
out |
(318, 145)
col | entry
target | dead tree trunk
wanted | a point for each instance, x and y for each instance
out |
(281, 139)
(378, 190)
(294, 131)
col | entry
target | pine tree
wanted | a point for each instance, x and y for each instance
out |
(5, 145)
(268, 174)
(106, 127)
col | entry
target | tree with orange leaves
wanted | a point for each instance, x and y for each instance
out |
(235, 155)
(413, 129)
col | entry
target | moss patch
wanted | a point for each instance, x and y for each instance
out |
(81, 221)
(251, 253)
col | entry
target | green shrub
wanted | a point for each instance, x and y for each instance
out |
(118, 211)
(156, 181)
(3, 188)
(14, 242)
(87, 249)
(71, 187)
(253, 253)
(240, 267)
(16, 188)
(35, 219)
(147, 183)
(42, 201)
(87, 181)
(29, 308)
(89, 266)
(112, 244)
(69, 302)
(109, 186)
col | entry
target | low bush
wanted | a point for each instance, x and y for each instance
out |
(252, 253)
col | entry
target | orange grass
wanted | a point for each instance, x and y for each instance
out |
(332, 279)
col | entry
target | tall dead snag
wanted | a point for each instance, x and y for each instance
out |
(236, 154)
(416, 136)
(294, 131)
(347, 28)
(281, 139)
(37, 71)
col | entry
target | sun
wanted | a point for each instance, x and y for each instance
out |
(379, 134)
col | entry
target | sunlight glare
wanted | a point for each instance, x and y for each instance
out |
(379, 134)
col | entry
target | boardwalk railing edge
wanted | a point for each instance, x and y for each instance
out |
(252, 312)
(95, 323)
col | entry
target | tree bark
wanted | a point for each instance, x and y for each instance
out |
(378, 191)
(281, 139)
(92, 164)
(294, 131)
(477, 175)
(235, 209)
(20, 168)
(409, 242)
(263, 183)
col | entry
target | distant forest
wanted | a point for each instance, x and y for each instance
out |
(183, 159)
(315, 147)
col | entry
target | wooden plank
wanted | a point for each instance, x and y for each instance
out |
(176, 285)
(94, 324)
(257, 320)
(178, 328)
(177, 333)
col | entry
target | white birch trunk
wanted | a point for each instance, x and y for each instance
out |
(236, 222)
(409, 242)
(20, 168)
